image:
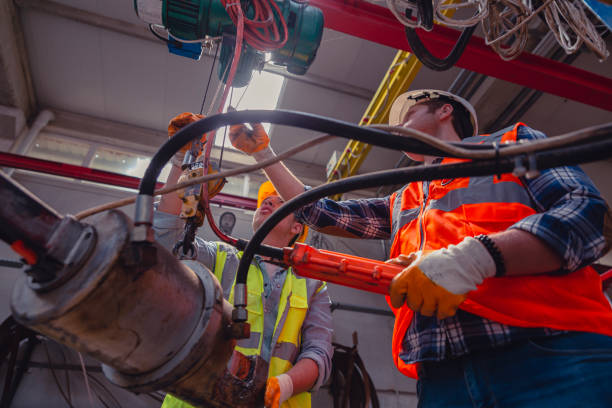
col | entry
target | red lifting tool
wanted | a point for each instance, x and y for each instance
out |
(347, 270)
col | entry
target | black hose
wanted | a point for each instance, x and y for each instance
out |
(562, 156)
(426, 12)
(308, 121)
(423, 54)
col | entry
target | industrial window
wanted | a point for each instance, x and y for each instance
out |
(262, 93)
(96, 156)
(117, 160)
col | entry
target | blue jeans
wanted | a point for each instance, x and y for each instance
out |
(568, 370)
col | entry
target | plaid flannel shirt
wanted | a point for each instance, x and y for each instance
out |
(569, 219)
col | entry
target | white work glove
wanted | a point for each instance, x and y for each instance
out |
(459, 268)
(436, 283)
(278, 390)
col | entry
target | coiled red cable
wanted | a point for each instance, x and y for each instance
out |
(261, 32)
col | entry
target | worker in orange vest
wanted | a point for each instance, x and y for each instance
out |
(497, 305)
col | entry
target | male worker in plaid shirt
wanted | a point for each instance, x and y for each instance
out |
(497, 305)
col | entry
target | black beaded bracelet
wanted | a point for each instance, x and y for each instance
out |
(500, 266)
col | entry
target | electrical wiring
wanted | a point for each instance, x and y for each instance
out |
(491, 39)
(227, 173)
(154, 27)
(506, 21)
(593, 132)
(541, 160)
(280, 117)
(101, 385)
(495, 165)
(234, 9)
(157, 398)
(261, 31)
(156, 34)
(303, 120)
(503, 15)
(212, 68)
(442, 6)
(398, 9)
(59, 387)
(84, 370)
(432, 62)
(571, 27)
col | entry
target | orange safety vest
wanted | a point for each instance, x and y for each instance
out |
(430, 216)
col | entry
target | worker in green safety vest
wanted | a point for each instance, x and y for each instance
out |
(290, 316)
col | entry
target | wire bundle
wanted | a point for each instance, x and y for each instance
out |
(505, 28)
(504, 22)
(267, 30)
(569, 23)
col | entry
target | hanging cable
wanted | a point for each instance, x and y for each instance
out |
(91, 403)
(212, 68)
(59, 387)
(267, 30)
(303, 120)
(297, 119)
(571, 155)
(456, 18)
(503, 20)
(431, 61)
(156, 34)
(209, 177)
(566, 139)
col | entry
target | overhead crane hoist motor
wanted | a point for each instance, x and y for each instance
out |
(190, 22)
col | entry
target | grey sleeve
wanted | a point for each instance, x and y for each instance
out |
(168, 229)
(317, 335)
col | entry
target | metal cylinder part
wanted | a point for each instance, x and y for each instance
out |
(133, 318)
(153, 321)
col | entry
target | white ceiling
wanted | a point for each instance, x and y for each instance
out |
(83, 69)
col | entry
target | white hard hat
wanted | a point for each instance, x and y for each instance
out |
(408, 99)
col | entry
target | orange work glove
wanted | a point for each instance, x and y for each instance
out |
(436, 283)
(278, 390)
(247, 140)
(177, 123)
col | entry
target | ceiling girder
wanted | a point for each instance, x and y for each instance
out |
(375, 23)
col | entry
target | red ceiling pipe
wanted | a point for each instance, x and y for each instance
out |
(375, 23)
(105, 177)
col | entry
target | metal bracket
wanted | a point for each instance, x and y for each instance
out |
(68, 248)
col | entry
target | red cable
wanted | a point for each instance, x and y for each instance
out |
(228, 85)
(262, 33)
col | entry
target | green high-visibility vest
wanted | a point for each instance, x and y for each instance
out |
(292, 309)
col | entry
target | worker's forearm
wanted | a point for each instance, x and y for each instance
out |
(303, 374)
(526, 254)
(171, 203)
(284, 181)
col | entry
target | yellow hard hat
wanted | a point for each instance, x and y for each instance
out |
(266, 190)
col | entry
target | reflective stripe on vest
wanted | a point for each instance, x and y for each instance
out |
(292, 309)
(454, 209)
(296, 292)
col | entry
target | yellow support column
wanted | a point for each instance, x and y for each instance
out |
(397, 80)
